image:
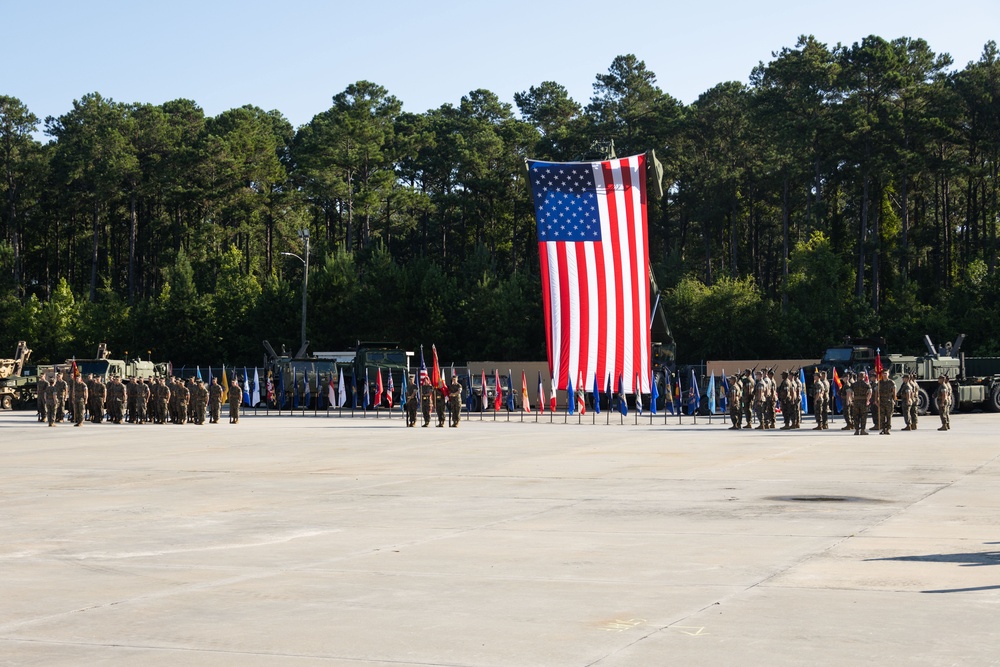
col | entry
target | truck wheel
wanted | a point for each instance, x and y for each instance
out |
(923, 401)
(993, 404)
(6, 402)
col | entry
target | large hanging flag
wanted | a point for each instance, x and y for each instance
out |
(378, 388)
(341, 390)
(388, 394)
(484, 394)
(592, 231)
(541, 394)
(581, 395)
(255, 395)
(510, 390)
(724, 399)
(837, 386)
(802, 379)
(597, 396)
(436, 380)
(498, 396)
(654, 394)
(525, 402)
(622, 403)
(710, 393)
(367, 394)
(694, 395)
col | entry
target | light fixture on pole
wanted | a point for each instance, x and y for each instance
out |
(304, 235)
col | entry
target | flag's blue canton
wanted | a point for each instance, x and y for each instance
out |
(566, 202)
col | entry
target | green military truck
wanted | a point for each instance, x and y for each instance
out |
(17, 385)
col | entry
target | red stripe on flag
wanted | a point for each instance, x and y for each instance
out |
(543, 258)
(617, 281)
(565, 321)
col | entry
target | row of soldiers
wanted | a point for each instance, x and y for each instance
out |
(135, 400)
(427, 394)
(756, 394)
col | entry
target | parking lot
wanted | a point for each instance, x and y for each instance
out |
(358, 542)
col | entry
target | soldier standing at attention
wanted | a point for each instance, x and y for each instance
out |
(911, 401)
(100, 395)
(426, 396)
(235, 398)
(772, 396)
(943, 399)
(411, 403)
(47, 398)
(183, 398)
(735, 399)
(759, 396)
(886, 403)
(79, 391)
(819, 393)
(141, 391)
(41, 387)
(60, 390)
(848, 401)
(747, 405)
(199, 397)
(439, 401)
(454, 401)
(827, 400)
(904, 398)
(214, 401)
(784, 398)
(862, 395)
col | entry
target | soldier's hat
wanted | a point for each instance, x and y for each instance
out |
(784, 373)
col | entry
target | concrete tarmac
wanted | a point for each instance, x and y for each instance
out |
(350, 542)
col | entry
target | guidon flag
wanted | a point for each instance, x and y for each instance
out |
(592, 247)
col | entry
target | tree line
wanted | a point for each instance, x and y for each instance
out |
(845, 190)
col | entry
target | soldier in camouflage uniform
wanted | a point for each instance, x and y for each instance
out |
(99, 394)
(79, 392)
(162, 401)
(41, 387)
(848, 398)
(426, 396)
(909, 396)
(943, 398)
(886, 403)
(772, 396)
(114, 400)
(214, 401)
(199, 402)
(454, 402)
(735, 399)
(411, 403)
(759, 397)
(785, 399)
(746, 405)
(235, 398)
(439, 405)
(60, 390)
(819, 394)
(141, 390)
(183, 396)
(47, 399)
(862, 395)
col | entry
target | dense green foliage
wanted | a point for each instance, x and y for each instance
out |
(845, 190)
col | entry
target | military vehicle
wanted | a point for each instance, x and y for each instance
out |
(105, 368)
(17, 388)
(289, 376)
(979, 389)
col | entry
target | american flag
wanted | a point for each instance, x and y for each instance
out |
(592, 233)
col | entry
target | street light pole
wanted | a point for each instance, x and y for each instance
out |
(304, 235)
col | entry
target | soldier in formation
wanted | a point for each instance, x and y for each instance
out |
(235, 398)
(746, 404)
(411, 403)
(886, 391)
(142, 393)
(454, 401)
(848, 401)
(214, 401)
(862, 397)
(785, 391)
(426, 396)
(821, 401)
(60, 389)
(735, 400)
(78, 391)
(909, 397)
(943, 400)
(439, 404)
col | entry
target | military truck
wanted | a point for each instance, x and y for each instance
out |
(105, 368)
(290, 375)
(17, 388)
(979, 389)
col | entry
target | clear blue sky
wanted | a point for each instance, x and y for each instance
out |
(293, 56)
